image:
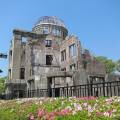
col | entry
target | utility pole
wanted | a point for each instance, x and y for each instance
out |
(4, 56)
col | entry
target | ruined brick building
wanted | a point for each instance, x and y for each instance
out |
(47, 57)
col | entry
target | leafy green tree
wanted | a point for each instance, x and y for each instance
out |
(2, 85)
(118, 65)
(109, 64)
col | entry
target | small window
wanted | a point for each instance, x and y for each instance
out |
(24, 39)
(63, 34)
(72, 50)
(84, 56)
(85, 64)
(10, 55)
(48, 43)
(72, 67)
(45, 30)
(31, 72)
(63, 55)
(49, 59)
(58, 32)
(10, 52)
(22, 73)
(9, 73)
(54, 31)
(63, 69)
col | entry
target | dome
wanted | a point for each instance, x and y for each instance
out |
(50, 20)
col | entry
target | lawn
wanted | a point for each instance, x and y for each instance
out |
(87, 108)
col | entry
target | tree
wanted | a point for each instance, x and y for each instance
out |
(2, 85)
(109, 64)
(118, 65)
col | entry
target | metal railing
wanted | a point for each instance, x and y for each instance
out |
(107, 89)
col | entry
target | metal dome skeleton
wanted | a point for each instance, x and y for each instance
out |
(50, 25)
(50, 20)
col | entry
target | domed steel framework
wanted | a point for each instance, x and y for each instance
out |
(50, 25)
(50, 20)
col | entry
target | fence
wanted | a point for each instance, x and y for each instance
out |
(107, 89)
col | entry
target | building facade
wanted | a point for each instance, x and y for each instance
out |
(47, 57)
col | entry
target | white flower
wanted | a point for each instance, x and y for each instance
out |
(79, 107)
(95, 104)
(85, 104)
(75, 104)
(69, 107)
(106, 114)
(74, 112)
(41, 102)
(114, 110)
(62, 103)
(109, 101)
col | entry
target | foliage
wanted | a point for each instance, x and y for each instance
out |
(109, 64)
(87, 108)
(118, 65)
(2, 85)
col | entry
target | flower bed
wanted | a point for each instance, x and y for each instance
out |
(87, 108)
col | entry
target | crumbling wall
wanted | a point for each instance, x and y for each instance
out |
(80, 77)
(96, 67)
(74, 59)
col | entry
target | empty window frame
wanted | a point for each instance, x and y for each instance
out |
(64, 34)
(9, 73)
(23, 39)
(10, 55)
(10, 52)
(72, 50)
(23, 56)
(73, 67)
(84, 64)
(63, 55)
(22, 73)
(45, 30)
(49, 59)
(31, 72)
(63, 69)
(48, 43)
(84, 56)
(56, 31)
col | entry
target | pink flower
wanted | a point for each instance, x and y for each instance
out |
(79, 108)
(109, 101)
(41, 113)
(90, 109)
(99, 114)
(51, 116)
(88, 98)
(64, 112)
(110, 112)
(31, 117)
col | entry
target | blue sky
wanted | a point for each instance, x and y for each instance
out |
(95, 22)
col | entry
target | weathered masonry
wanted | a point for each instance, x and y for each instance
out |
(47, 57)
